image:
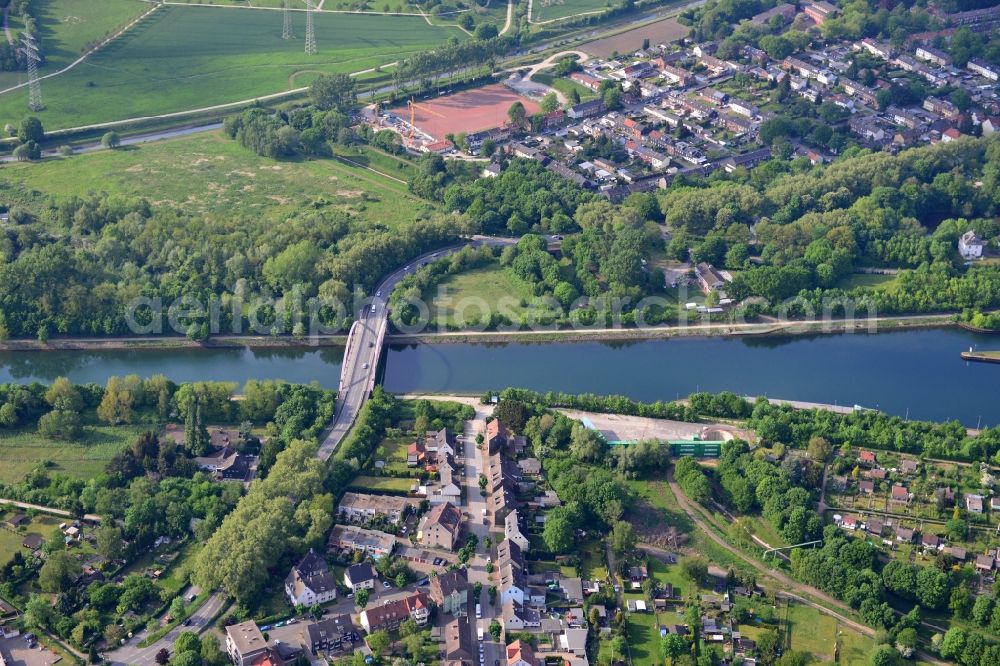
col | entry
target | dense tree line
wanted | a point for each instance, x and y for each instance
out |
(614, 404)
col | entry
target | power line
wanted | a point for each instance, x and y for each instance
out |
(310, 30)
(30, 49)
(286, 30)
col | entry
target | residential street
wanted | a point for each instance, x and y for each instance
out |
(131, 654)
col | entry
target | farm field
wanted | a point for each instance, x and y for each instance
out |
(23, 450)
(213, 175)
(67, 27)
(191, 57)
(546, 10)
(660, 32)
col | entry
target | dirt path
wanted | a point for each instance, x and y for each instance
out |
(47, 509)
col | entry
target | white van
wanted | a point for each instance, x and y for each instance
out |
(479, 632)
(479, 611)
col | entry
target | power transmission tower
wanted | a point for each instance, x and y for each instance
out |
(310, 30)
(286, 30)
(34, 86)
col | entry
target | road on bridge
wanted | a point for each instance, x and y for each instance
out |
(364, 345)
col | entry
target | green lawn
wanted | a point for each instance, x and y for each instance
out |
(190, 57)
(461, 298)
(544, 10)
(812, 631)
(68, 27)
(565, 86)
(383, 483)
(22, 450)
(643, 638)
(880, 282)
(10, 541)
(213, 175)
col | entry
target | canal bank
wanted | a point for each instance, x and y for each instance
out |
(912, 372)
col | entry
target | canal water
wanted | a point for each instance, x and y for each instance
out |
(916, 372)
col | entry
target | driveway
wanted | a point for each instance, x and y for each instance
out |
(17, 653)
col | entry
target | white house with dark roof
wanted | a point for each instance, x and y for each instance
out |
(970, 245)
(310, 582)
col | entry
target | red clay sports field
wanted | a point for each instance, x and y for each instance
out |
(467, 111)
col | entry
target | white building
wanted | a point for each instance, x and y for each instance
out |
(970, 245)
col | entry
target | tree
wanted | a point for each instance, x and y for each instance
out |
(673, 646)
(549, 103)
(819, 449)
(108, 540)
(361, 598)
(933, 587)
(334, 91)
(622, 537)
(559, 529)
(379, 642)
(111, 140)
(495, 630)
(884, 655)
(517, 114)
(574, 96)
(612, 98)
(767, 646)
(31, 130)
(177, 608)
(59, 572)
(162, 656)
(695, 569)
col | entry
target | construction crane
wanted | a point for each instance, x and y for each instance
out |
(413, 114)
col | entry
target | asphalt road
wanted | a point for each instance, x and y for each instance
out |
(364, 348)
(133, 140)
(131, 654)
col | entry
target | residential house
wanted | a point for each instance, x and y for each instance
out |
(332, 634)
(17, 520)
(909, 466)
(310, 582)
(957, 553)
(974, 503)
(588, 109)
(530, 466)
(440, 527)
(971, 245)
(941, 107)
(820, 10)
(904, 534)
(866, 487)
(899, 495)
(985, 563)
(440, 442)
(519, 653)
(784, 10)
(512, 530)
(983, 68)
(933, 55)
(244, 643)
(875, 527)
(416, 452)
(930, 541)
(362, 508)
(458, 643)
(392, 613)
(371, 542)
(496, 436)
(586, 80)
(867, 458)
(849, 522)
(709, 278)
(995, 503)
(575, 641)
(517, 617)
(360, 577)
(450, 591)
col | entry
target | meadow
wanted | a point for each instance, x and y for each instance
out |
(22, 450)
(181, 58)
(10, 540)
(546, 10)
(482, 285)
(210, 174)
(67, 27)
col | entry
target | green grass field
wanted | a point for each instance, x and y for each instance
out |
(565, 86)
(10, 541)
(817, 633)
(191, 57)
(68, 27)
(384, 483)
(212, 174)
(23, 450)
(544, 10)
(455, 298)
(643, 638)
(876, 282)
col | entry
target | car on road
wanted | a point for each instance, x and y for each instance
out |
(378, 293)
(374, 308)
(187, 622)
(371, 343)
(386, 584)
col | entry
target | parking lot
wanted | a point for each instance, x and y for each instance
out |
(17, 653)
